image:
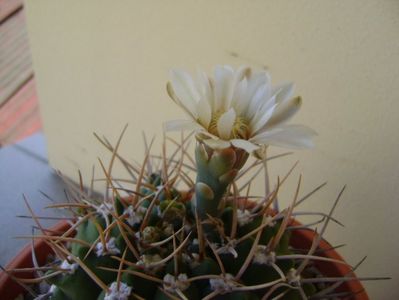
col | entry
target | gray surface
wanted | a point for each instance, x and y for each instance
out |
(24, 170)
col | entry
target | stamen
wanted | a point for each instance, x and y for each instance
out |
(240, 128)
(213, 125)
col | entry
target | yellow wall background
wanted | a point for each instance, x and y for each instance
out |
(102, 64)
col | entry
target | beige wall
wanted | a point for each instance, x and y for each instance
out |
(101, 64)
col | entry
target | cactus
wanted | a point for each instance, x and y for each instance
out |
(171, 238)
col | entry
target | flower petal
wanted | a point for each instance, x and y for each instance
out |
(262, 117)
(204, 112)
(283, 91)
(241, 73)
(202, 135)
(284, 111)
(244, 144)
(205, 88)
(240, 102)
(259, 98)
(185, 90)
(173, 96)
(217, 144)
(291, 136)
(223, 87)
(177, 125)
(225, 124)
(255, 81)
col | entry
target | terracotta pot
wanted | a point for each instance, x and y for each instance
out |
(301, 239)
(9, 289)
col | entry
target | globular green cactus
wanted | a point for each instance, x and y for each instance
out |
(172, 238)
(163, 242)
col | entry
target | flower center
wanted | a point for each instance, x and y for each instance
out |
(240, 129)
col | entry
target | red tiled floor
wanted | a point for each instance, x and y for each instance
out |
(7, 7)
(19, 109)
(19, 116)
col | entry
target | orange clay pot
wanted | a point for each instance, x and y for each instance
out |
(9, 289)
(301, 239)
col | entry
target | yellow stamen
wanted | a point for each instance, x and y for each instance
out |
(240, 128)
(213, 125)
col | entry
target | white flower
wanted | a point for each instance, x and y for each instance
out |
(239, 108)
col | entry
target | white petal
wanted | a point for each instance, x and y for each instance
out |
(206, 135)
(240, 102)
(257, 101)
(204, 112)
(225, 124)
(238, 75)
(246, 91)
(185, 90)
(255, 81)
(205, 88)
(241, 73)
(177, 125)
(172, 95)
(262, 117)
(283, 91)
(217, 144)
(244, 144)
(284, 111)
(291, 136)
(223, 87)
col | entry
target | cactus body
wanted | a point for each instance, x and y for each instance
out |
(172, 258)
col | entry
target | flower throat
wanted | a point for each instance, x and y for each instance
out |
(240, 129)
